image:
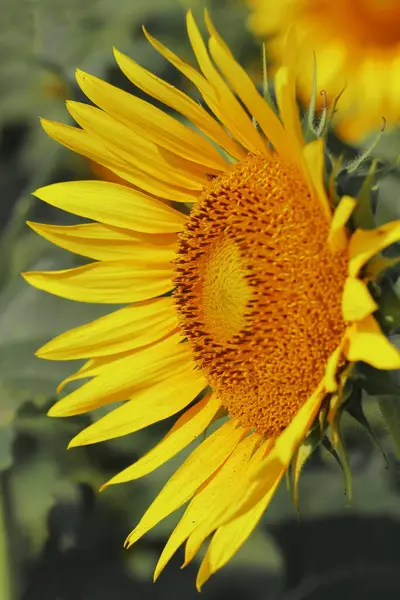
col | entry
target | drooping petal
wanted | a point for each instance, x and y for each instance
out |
(338, 237)
(186, 429)
(113, 204)
(367, 343)
(103, 242)
(230, 537)
(150, 122)
(124, 329)
(357, 302)
(314, 158)
(210, 499)
(223, 491)
(196, 469)
(364, 244)
(163, 91)
(111, 282)
(118, 377)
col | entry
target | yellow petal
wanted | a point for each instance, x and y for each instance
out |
(364, 244)
(119, 377)
(207, 501)
(338, 237)
(133, 149)
(231, 112)
(113, 282)
(314, 158)
(247, 92)
(196, 469)
(332, 366)
(113, 204)
(150, 122)
(186, 429)
(102, 242)
(357, 302)
(368, 344)
(124, 329)
(230, 537)
(163, 91)
(224, 489)
(82, 142)
(286, 99)
(149, 405)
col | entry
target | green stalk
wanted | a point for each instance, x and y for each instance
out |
(6, 585)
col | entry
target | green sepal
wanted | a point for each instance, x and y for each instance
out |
(356, 411)
(375, 381)
(389, 305)
(304, 452)
(390, 409)
(379, 265)
(362, 215)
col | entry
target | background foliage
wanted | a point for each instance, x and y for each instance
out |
(59, 538)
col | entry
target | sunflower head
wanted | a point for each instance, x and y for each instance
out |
(357, 45)
(250, 312)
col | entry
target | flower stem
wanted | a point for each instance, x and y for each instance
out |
(6, 586)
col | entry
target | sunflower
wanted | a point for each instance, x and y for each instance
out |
(357, 46)
(247, 313)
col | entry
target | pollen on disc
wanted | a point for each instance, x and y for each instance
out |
(258, 291)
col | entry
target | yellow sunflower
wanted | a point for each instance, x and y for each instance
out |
(269, 306)
(357, 45)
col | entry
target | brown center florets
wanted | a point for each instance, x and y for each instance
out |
(258, 291)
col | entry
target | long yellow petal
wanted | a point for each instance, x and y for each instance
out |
(314, 161)
(163, 91)
(83, 143)
(208, 500)
(150, 122)
(124, 329)
(103, 242)
(186, 429)
(196, 469)
(364, 244)
(113, 282)
(231, 112)
(149, 405)
(224, 490)
(119, 377)
(230, 537)
(205, 88)
(285, 92)
(247, 92)
(113, 204)
(357, 302)
(133, 148)
(366, 342)
(338, 237)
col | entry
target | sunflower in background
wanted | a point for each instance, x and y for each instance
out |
(247, 314)
(357, 47)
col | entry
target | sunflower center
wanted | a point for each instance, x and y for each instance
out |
(259, 292)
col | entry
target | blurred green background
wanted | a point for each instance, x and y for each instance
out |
(59, 538)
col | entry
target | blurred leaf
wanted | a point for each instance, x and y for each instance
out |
(390, 407)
